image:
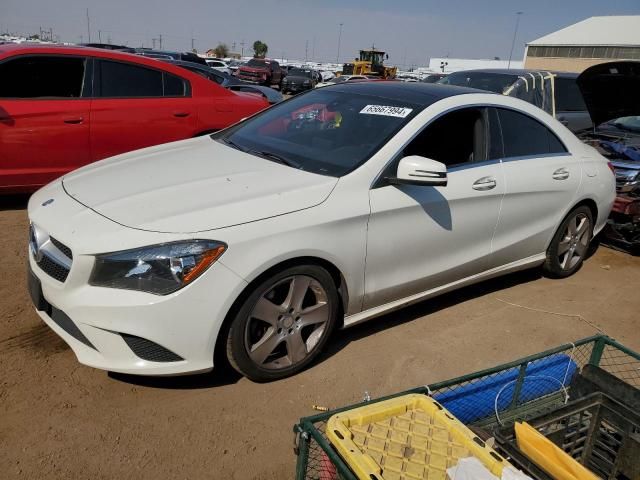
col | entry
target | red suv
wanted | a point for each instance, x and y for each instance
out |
(262, 71)
(64, 107)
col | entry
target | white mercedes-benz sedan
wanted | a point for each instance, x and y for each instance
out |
(323, 211)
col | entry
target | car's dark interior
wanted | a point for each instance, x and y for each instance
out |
(457, 137)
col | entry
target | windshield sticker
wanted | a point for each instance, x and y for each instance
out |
(387, 111)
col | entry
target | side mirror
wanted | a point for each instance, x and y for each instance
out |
(417, 170)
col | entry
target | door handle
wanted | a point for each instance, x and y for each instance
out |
(181, 114)
(73, 120)
(484, 183)
(560, 174)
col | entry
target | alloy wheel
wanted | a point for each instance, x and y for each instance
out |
(287, 322)
(575, 242)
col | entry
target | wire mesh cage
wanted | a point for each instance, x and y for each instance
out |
(486, 400)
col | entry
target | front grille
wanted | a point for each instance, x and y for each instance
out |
(53, 268)
(50, 254)
(148, 350)
(62, 247)
(65, 323)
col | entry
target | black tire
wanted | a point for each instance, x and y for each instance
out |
(552, 266)
(236, 342)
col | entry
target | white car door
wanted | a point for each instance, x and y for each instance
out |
(542, 179)
(423, 237)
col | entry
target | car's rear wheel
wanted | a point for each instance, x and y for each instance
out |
(570, 245)
(283, 324)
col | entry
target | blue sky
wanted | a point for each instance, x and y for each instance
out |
(411, 31)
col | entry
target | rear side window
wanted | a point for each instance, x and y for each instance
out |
(174, 86)
(568, 96)
(122, 80)
(524, 136)
(42, 77)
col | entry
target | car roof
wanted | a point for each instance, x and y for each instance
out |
(517, 72)
(417, 93)
(53, 49)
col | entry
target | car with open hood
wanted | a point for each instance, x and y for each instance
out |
(334, 207)
(612, 95)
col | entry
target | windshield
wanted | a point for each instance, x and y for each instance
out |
(339, 79)
(628, 123)
(492, 82)
(324, 131)
(298, 72)
(254, 62)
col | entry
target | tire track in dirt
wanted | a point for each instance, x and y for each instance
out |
(40, 338)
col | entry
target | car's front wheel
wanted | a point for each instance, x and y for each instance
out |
(283, 323)
(570, 245)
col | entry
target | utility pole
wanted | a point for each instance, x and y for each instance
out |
(513, 42)
(339, 38)
(192, 44)
(153, 42)
(88, 26)
(233, 47)
(306, 51)
(242, 45)
(100, 36)
(160, 41)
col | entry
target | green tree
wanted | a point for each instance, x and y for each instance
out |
(260, 49)
(222, 50)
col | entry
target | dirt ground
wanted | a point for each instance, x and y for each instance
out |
(59, 419)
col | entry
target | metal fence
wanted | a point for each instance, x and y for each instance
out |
(484, 400)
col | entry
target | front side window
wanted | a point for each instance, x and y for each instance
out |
(525, 136)
(459, 137)
(325, 131)
(125, 80)
(42, 77)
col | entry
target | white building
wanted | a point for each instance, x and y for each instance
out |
(586, 43)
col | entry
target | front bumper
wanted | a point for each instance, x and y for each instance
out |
(185, 323)
(119, 329)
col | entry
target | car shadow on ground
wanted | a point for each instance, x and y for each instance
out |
(342, 339)
(14, 201)
(217, 378)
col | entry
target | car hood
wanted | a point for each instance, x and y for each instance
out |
(297, 78)
(254, 69)
(192, 186)
(611, 90)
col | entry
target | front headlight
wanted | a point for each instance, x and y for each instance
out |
(158, 269)
(307, 82)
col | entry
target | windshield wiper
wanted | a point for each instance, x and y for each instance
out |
(277, 158)
(233, 144)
